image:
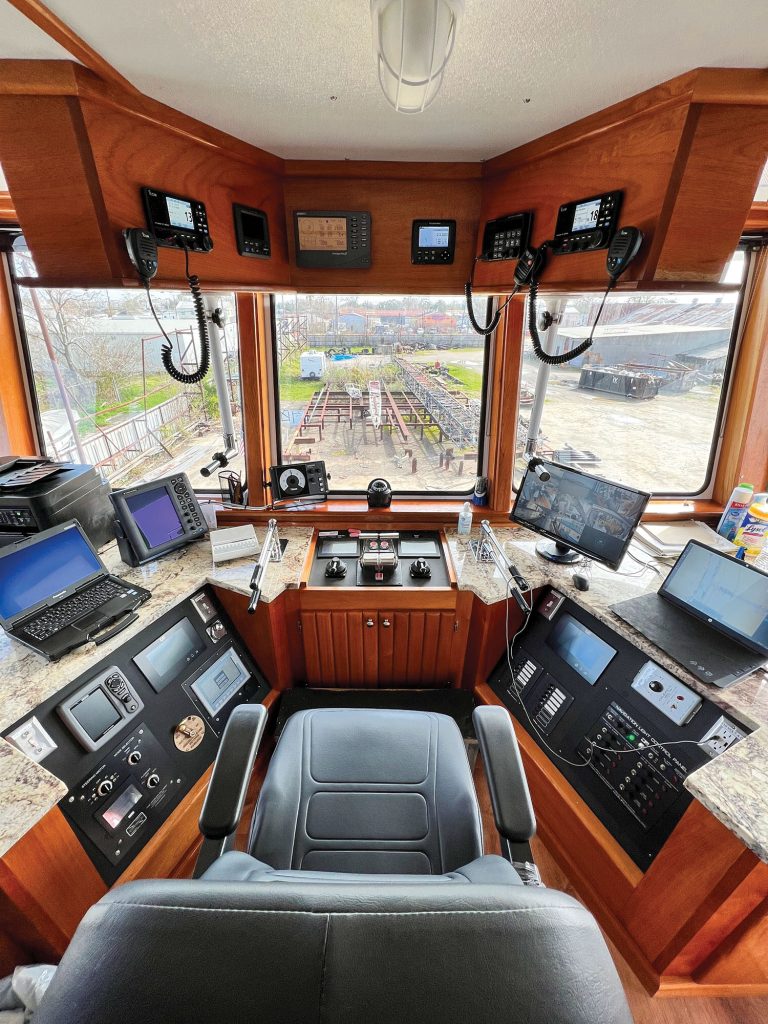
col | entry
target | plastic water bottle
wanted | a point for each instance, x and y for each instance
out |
(465, 520)
(735, 510)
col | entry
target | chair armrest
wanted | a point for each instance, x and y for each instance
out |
(510, 799)
(232, 770)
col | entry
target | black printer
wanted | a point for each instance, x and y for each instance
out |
(36, 494)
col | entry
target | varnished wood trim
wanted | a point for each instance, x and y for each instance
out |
(19, 434)
(61, 33)
(383, 170)
(7, 210)
(743, 86)
(758, 218)
(64, 78)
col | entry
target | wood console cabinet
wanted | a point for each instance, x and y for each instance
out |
(359, 645)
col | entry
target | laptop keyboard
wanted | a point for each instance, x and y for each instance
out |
(73, 608)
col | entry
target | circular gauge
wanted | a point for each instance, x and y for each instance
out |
(292, 481)
(188, 734)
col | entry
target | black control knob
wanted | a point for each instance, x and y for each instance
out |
(335, 569)
(420, 569)
(134, 757)
(153, 781)
(105, 787)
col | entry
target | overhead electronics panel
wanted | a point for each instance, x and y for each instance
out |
(333, 238)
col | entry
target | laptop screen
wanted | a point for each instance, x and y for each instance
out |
(156, 516)
(727, 594)
(43, 568)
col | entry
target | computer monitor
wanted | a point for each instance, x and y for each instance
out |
(726, 593)
(579, 513)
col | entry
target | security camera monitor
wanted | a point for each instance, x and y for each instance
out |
(578, 513)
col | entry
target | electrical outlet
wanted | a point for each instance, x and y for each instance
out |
(722, 735)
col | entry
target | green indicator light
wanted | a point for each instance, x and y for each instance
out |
(631, 737)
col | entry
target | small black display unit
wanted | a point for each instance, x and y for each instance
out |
(506, 238)
(587, 224)
(251, 232)
(433, 241)
(176, 221)
(579, 513)
(156, 518)
(332, 238)
(299, 480)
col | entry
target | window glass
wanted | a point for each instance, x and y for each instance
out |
(761, 196)
(381, 386)
(103, 396)
(642, 405)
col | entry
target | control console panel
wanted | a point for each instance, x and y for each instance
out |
(132, 735)
(610, 720)
(383, 558)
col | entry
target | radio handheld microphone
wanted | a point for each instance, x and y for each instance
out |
(625, 245)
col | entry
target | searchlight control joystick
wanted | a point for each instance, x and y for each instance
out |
(420, 569)
(335, 569)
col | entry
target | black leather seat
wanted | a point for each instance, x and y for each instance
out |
(386, 792)
(204, 952)
(368, 791)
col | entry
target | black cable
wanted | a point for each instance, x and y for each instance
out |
(166, 351)
(564, 357)
(493, 323)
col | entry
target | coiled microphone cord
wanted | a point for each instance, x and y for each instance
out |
(166, 350)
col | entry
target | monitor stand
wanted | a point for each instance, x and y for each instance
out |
(554, 551)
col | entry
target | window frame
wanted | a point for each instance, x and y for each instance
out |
(706, 491)
(210, 489)
(412, 495)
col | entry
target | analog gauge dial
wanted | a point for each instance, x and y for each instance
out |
(188, 734)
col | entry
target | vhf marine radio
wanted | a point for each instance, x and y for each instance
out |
(175, 221)
(586, 224)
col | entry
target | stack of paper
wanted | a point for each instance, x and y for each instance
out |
(667, 540)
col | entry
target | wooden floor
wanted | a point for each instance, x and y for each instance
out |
(646, 1010)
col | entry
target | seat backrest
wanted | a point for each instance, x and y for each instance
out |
(173, 952)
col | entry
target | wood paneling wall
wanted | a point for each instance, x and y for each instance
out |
(77, 148)
(395, 195)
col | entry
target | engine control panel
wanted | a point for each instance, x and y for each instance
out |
(381, 558)
(611, 720)
(131, 736)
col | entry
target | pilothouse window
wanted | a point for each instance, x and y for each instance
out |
(377, 385)
(103, 397)
(643, 405)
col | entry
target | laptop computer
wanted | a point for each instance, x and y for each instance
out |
(56, 593)
(710, 614)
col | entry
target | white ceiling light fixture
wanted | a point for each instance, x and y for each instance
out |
(413, 40)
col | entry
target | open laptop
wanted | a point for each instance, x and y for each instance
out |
(710, 615)
(56, 593)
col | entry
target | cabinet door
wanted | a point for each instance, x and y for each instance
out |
(340, 648)
(419, 648)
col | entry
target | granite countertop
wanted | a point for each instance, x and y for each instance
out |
(27, 790)
(734, 787)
